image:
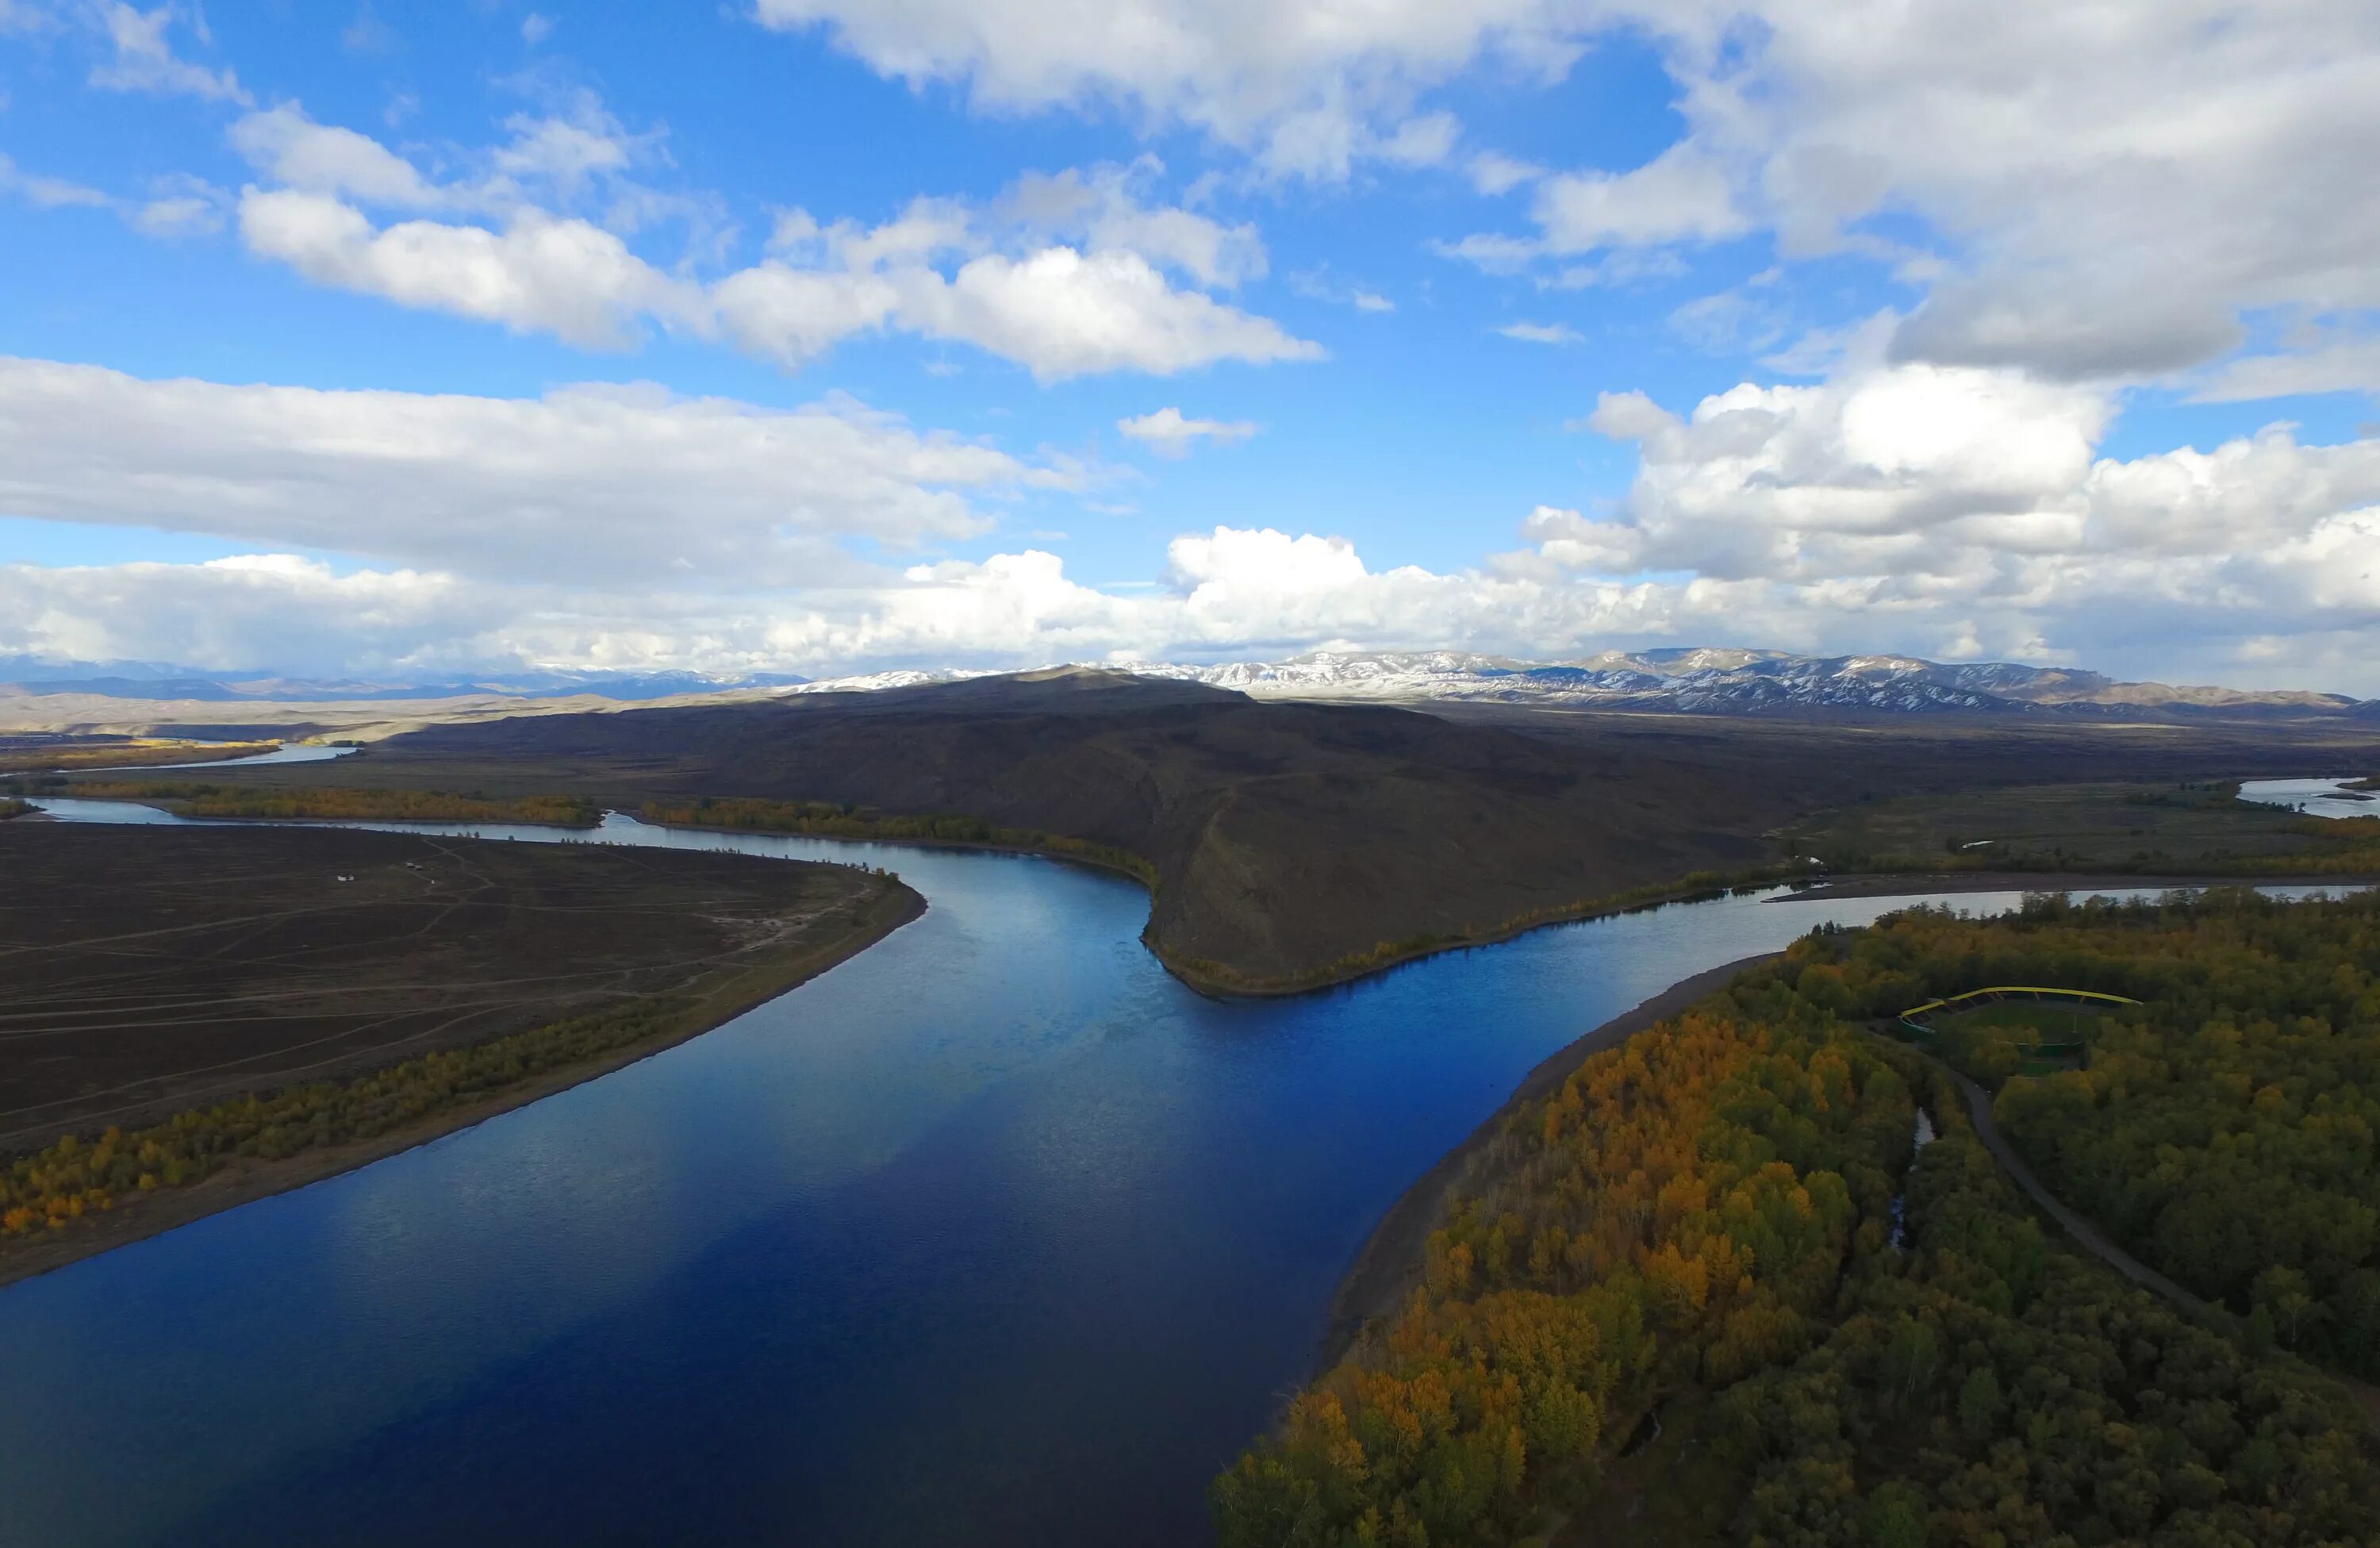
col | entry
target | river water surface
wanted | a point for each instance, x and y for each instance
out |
(2315, 797)
(994, 1234)
(288, 752)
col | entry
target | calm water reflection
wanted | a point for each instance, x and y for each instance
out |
(2315, 797)
(994, 1234)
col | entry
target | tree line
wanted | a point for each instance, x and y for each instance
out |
(328, 805)
(845, 820)
(77, 1176)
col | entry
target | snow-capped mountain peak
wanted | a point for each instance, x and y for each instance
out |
(1722, 680)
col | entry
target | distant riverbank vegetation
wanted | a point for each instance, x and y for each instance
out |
(52, 1189)
(128, 752)
(345, 806)
(1693, 887)
(842, 820)
(11, 807)
(1700, 1222)
(2185, 829)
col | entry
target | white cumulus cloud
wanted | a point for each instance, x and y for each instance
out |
(1311, 89)
(588, 484)
(564, 277)
(1954, 502)
(2094, 193)
(288, 148)
(1169, 434)
(1066, 274)
(271, 610)
(2299, 610)
(1067, 313)
(1681, 195)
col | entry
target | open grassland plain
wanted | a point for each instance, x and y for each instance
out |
(1707, 1286)
(210, 1014)
(2199, 828)
(1296, 844)
(2034, 1039)
(220, 718)
(1821, 760)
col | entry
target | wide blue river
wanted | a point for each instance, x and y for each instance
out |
(994, 1234)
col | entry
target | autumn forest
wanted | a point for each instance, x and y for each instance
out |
(1728, 1223)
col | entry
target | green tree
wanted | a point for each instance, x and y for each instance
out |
(1910, 1361)
(1979, 1404)
(1896, 1517)
(2283, 1288)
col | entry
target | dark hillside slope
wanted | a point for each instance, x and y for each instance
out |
(1287, 836)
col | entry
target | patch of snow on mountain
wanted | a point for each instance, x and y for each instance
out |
(878, 682)
(1707, 680)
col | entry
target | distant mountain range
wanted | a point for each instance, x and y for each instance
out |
(1726, 681)
(1706, 680)
(1702, 680)
(137, 679)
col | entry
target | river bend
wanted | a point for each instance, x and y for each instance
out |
(994, 1234)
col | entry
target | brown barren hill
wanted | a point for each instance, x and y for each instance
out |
(1287, 838)
(1297, 844)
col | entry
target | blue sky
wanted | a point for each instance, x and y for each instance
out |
(805, 335)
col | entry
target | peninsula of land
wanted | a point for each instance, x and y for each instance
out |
(245, 1011)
